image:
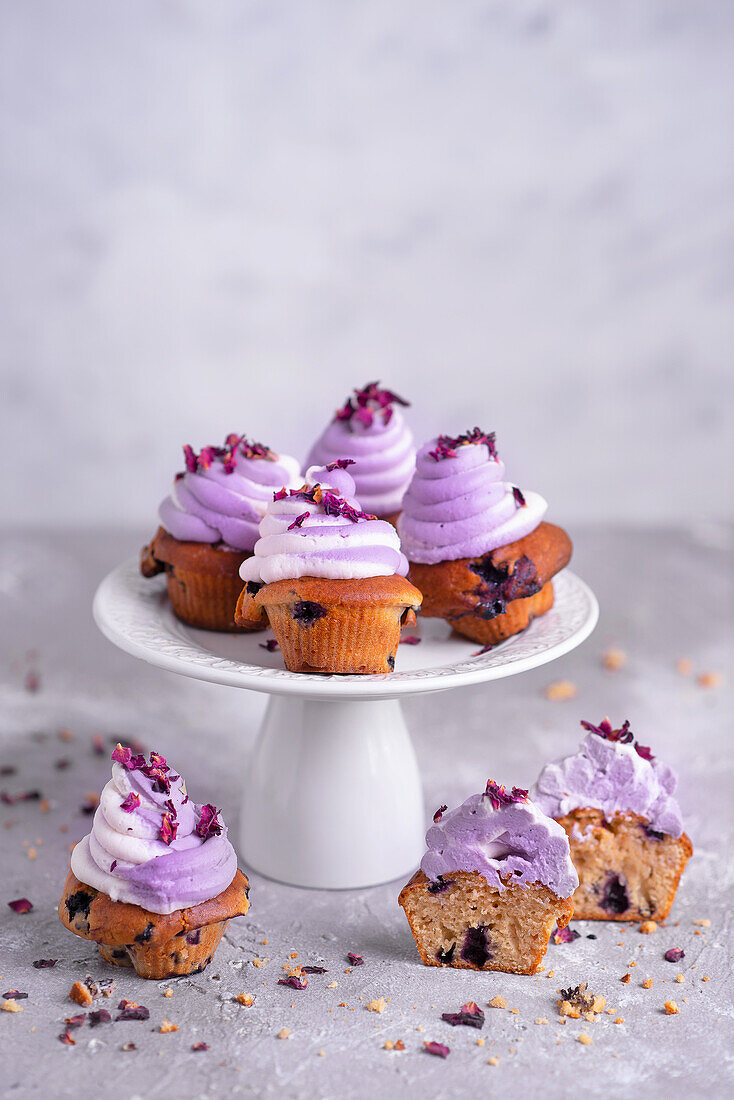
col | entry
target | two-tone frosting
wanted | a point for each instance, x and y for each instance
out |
(459, 505)
(320, 530)
(222, 494)
(371, 429)
(503, 836)
(150, 845)
(613, 773)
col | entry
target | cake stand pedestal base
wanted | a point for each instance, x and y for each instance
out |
(333, 795)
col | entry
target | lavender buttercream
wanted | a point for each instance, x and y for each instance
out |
(608, 773)
(502, 837)
(127, 857)
(459, 505)
(223, 493)
(320, 531)
(371, 429)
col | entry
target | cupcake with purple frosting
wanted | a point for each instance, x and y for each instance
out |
(616, 802)
(496, 879)
(479, 548)
(370, 428)
(155, 882)
(209, 525)
(328, 577)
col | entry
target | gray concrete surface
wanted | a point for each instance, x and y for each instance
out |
(663, 596)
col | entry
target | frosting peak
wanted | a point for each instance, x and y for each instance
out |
(150, 845)
(458, 504)
(611, 772)
(222, 494)
(320, 530)
(502, 836)
(371, 429)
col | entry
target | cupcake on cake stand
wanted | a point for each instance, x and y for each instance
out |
(332, 794)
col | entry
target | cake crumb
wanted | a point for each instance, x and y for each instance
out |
(703, 923)
(480, 1042)
(684, 665)
(377, 1004)
(168, 993)
(619, 1020)
(79, 993)
(493, 1062)
(388, 1045)
(497, 1002)
(257, 962)
(647, 984)
(550, 974)
(322, 1053)
(709, 679)
(167, 1026)
(245, 999)
(576, 1002)
(10, 1006)
(680, 978)
(293, 955)
(705, 979)
(648, 927)
(561, 690)
(614, 659)
(515, 1011)
(584, 1038)
(284, 1033)
(541, 1020)
(332, 985)
(32, 853)
(671, 1008)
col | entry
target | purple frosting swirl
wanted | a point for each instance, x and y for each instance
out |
(460, 506)
(515, 841)
(224, 504)
(612, 777)
(383, 453)
(126, 858)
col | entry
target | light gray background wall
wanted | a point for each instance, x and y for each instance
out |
(222, 215)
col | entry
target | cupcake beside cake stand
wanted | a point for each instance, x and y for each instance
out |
(332, 793)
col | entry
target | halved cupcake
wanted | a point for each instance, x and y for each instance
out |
(209, 526)
(495, 881)
(155, 882)
(615, 801)
(329, 578)
(478, 547)
(371, 429)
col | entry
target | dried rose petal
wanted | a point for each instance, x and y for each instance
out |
(604, 729)
(208, 824)
(355, 960)
(75, 1021)
(21, 905)
(298, 521)
(469, 1015)
(314, 970)
(14, 995)
(674, 955)
(446, 444)
(498, 796)
(131, 802)
(340, 464)
(44, 964)
(643, 751)
(439, 1049)
(271, 645)
(439, 814)
(368, 402)
(565, 935)
(168, 829)
(99, 1016)
(200, 1046)
(123, 755)
(293, 981)
(21, 796)
(519, 496)
(131, 1011)
(66, 1038)
(410, 639)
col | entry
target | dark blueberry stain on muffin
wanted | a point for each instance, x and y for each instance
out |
(446, 956)
(391, 662)
(78, 903)
(476, 947)
(119, 953)
(252, 588)
(193, 937)
(499, 587)
(439, 885)
(306, 612)
(144, 937)
(614, 897)
(653, 834)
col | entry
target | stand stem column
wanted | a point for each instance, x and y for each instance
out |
(333, 797)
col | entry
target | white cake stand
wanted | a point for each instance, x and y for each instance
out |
(332, 792)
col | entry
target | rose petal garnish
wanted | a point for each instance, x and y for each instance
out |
(604, 729)
(293, 981)
(298, 521)
(271, 645)
(410, 639)
(21, 796)
(369, 402)
(131, 802)
(519, 496)
(14, 995)
(340, 464)
(66, 1038)
(21, 905)
(131, 1011)
(674, 955)
(355, 960)
(643, 751)
(469, 1015)
(439, 1049)
(446, 444)
(565, 935)
(44, 964)
(168, 829)
(314, 970)
(200, 1046)
(99, 1016)
(208, 824)
(498, 796)
(439, 814)
(124, 755)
